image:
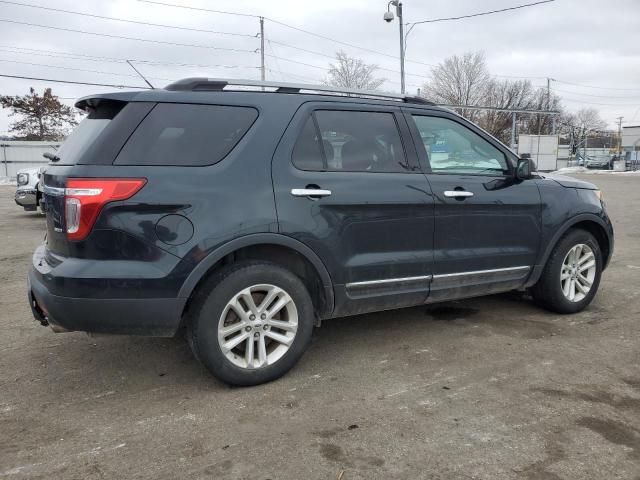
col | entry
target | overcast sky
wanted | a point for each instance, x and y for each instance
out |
(585, 42)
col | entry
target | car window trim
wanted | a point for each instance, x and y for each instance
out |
(323, 153)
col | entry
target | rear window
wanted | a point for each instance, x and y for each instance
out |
(187, 134)
(85, 134)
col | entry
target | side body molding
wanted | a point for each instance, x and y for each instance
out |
(260, 239)
(546, 250)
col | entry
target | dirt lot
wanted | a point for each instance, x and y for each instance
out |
(487, 388)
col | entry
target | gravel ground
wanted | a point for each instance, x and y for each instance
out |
(490, 388)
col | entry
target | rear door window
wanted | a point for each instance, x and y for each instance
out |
(187, 135)
(350, 141)
(307, 152)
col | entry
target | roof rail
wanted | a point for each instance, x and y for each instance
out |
(203, 84)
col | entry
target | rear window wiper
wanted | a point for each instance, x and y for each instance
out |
(51, 156)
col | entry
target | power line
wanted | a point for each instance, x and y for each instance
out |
(333, 58)
(92, 58)
(597, 87)
(598, 96)
(295, 75)
(102, 72)
(490, 12)
(57, 54)
(275, 60)
(188, 7)
(293, 27)
(102, 17)
(295, 61)
(37, 79)
(522, 77)
(127, 38)
(339, 42)
(564, 98)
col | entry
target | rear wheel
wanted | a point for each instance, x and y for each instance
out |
(252, 323)
(571, 276)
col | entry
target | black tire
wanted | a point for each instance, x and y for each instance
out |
(547, 292)
(210, 302)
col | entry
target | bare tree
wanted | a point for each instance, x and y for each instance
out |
(590, 119)
(465, 80)
(576, 126)
(504, 94)
(351, 72)
(40, 117)
(459, 81)
(541, 124)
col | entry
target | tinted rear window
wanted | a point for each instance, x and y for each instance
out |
(85, 134)
(186, 134)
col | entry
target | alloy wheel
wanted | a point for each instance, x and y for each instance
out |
(578, 272)
(257, 326)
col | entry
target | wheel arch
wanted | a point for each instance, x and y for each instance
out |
(277, 248)
(589, 222)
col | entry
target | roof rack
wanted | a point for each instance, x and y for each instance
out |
(202, 84)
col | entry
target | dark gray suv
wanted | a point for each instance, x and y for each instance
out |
(247, 212)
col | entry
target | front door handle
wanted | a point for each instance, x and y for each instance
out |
(457, 193)
(310, 192)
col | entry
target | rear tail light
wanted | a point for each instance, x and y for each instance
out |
(85, 197)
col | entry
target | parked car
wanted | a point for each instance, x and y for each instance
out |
(601, 162)
(249, 216)
(29, 192)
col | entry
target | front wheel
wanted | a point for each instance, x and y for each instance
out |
(571, 276)
(252, 323)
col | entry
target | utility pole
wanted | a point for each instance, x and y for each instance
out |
(388, 17)
(262, 71)
(513, 131)
(553, 117)
(620, 135)
(586, 143)
(400, 20)
(548, 92)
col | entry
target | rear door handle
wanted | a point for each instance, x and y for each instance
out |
(457, 193)
(310, 192)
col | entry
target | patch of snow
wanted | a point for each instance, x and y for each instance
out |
(581, 170)
(571, 170)
(7, 181)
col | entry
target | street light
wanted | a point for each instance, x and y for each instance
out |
(388, 17)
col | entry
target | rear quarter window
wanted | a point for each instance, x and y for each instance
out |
(187, 135)
(87, 132)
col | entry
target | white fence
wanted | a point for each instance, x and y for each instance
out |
(17, 155)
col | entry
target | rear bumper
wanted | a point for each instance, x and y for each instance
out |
(158, 317)
(27, 198)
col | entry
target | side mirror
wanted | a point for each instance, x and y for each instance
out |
(523, 170)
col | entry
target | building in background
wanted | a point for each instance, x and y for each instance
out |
(16, 155)
(631, 138)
